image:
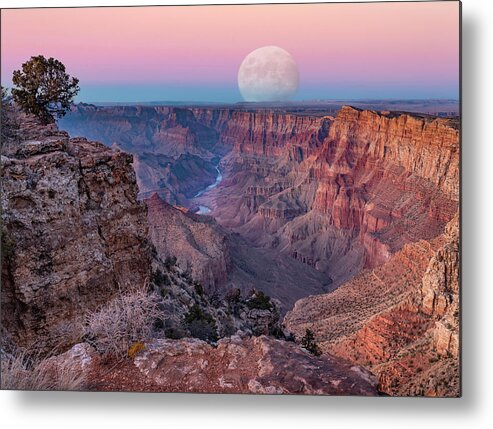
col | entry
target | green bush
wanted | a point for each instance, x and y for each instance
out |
(200, 324)
(259, 301)
(199, 289)
(308, 342)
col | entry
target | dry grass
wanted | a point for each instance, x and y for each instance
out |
(126, 320)
(21, 371)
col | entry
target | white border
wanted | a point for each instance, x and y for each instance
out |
(87, 410)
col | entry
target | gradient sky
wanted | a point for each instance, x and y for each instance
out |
(344, 51)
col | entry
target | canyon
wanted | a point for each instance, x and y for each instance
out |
(75, 241)
(338, 194)
(347, 222)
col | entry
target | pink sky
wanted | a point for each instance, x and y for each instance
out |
(376, 45)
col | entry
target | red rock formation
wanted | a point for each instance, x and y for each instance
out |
(221, 261)
(265, 132)
(399, 320)
(363, 186)
(427, 148)
(337, 193)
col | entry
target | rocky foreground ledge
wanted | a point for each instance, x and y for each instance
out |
(239, 364)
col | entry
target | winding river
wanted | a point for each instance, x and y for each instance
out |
(204, 209)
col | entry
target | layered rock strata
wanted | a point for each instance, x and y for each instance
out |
(336, 193)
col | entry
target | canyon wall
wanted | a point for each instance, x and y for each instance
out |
(339, 194)
(222, 261)
(200, 246)
(336, 193)
(172, 150)
(74, 236)
(362, 206)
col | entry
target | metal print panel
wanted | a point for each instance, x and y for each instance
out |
(257, 199)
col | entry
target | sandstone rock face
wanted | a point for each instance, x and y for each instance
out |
(338, 194)
(77, 360)
(429, 148)
(265, 132)
(400, 320)
(259, 365)
(73, 232)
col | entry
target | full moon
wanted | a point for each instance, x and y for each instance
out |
(268, 74)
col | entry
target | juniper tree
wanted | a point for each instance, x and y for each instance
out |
(43, 88)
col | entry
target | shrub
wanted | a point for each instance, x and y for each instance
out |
(200, 324)
(125, 320)
(203, 330)
(215, 300)
(233, 296)
(170, 261)
(259, 301)
(308, 342)
(160, 279)
(187, 275)
(199, 289)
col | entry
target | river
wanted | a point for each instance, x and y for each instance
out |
(204, 209)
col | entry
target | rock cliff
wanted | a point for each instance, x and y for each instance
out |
(222, 262)
(73, 233)
(198, 244)
(74, 236)
(250, 365)
(338, 194)
(172, 150)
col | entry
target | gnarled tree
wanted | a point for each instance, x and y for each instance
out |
(43, 88)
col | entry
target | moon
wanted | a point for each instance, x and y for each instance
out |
(268, 74)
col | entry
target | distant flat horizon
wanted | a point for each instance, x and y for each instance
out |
(437, 107)
(293, 102)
